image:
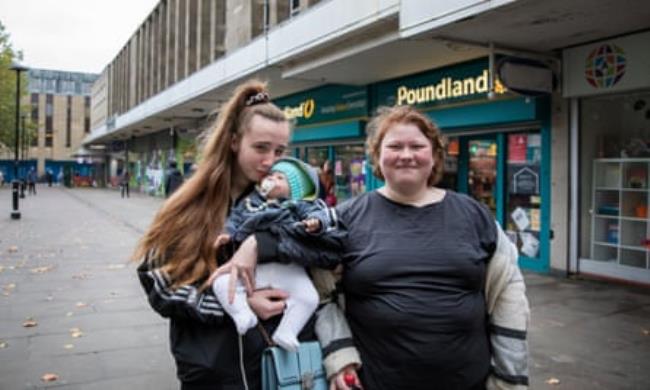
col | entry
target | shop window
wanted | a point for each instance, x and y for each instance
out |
(450, 175)
(349, 171)
(317, 155)
(614, 177)
(523, 195)
(482, 173)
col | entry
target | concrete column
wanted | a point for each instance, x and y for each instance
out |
(176, 39)
(168, 44)
(560, 182)
(186, 38)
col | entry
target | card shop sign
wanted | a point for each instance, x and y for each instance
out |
(525, 181)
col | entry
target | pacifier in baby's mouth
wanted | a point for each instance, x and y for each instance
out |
(267, 185)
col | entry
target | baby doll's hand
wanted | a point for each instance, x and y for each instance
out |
(222, 239)
(312, 225)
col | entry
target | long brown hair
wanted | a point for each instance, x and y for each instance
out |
(386, 118)
(180, 238)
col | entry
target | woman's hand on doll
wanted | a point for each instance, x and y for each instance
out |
(312, 225)
(346, 379)
(221, 240)
(268, 302)
(241, 265)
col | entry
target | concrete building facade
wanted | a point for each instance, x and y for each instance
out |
(522, 149)
(58, 119)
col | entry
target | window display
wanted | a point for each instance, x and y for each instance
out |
(349, 171)
(450, 175)
(523, 197)
(482, 173)
(614, 183)
(316, 155)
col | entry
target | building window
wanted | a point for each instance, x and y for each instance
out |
(87, 114)
(35, 118)
(294, 7)
(68, 122)
(49, 110)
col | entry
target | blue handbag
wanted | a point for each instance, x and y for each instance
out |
(300, 370)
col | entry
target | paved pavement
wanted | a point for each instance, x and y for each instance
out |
(64, 266)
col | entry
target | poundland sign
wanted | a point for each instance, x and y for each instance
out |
(325, 104)
(462, 82)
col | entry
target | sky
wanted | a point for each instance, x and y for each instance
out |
(72, 35)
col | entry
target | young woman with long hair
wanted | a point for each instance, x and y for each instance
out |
(178, 255)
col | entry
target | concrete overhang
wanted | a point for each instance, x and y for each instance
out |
(316, 48)
(532, 25)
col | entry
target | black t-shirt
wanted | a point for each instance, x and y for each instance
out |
(414, 282)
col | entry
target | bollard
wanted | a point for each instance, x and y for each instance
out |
(15, 214)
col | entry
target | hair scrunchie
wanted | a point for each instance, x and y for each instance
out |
(257, 98)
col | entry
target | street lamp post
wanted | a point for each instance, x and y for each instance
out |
(15, 184)
(23, 182)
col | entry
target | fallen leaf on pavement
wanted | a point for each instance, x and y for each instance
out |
(646, 332)
(116, 266)
(80, 276)
(553, 381)
(68, 346)
(49, 377)
(29, 323)
(12, 249)
(76, 332)
(8, 288)
(2, 268)
(3, 344)
(40, 270)
(81, 304)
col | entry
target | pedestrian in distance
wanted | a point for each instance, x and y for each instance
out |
(173, 180)
(285, 199)
(2, 179)
(124, 183)
(178, 256)
(434, 296)
(49, 176)
(31, 181)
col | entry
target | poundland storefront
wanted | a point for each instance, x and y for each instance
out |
(329, 126)
(498, 150)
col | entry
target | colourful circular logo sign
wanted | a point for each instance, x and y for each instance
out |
(605, 66)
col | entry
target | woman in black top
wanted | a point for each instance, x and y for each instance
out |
(433, 294)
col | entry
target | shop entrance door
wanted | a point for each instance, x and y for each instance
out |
(502, 171)
(474, 166)
(482, 171)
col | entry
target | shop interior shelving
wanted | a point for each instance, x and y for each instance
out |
(620, 228)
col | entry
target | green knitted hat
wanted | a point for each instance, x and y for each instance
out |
(300, 176)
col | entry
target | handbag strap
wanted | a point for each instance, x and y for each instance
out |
(265, 334)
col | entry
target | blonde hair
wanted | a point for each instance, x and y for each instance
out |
(386, 118)
(180, 238)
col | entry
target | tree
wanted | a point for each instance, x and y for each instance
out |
(8, 90)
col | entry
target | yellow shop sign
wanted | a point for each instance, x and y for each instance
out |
(447, 88)
(304, 110)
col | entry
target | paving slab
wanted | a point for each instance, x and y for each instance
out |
(66, 265)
